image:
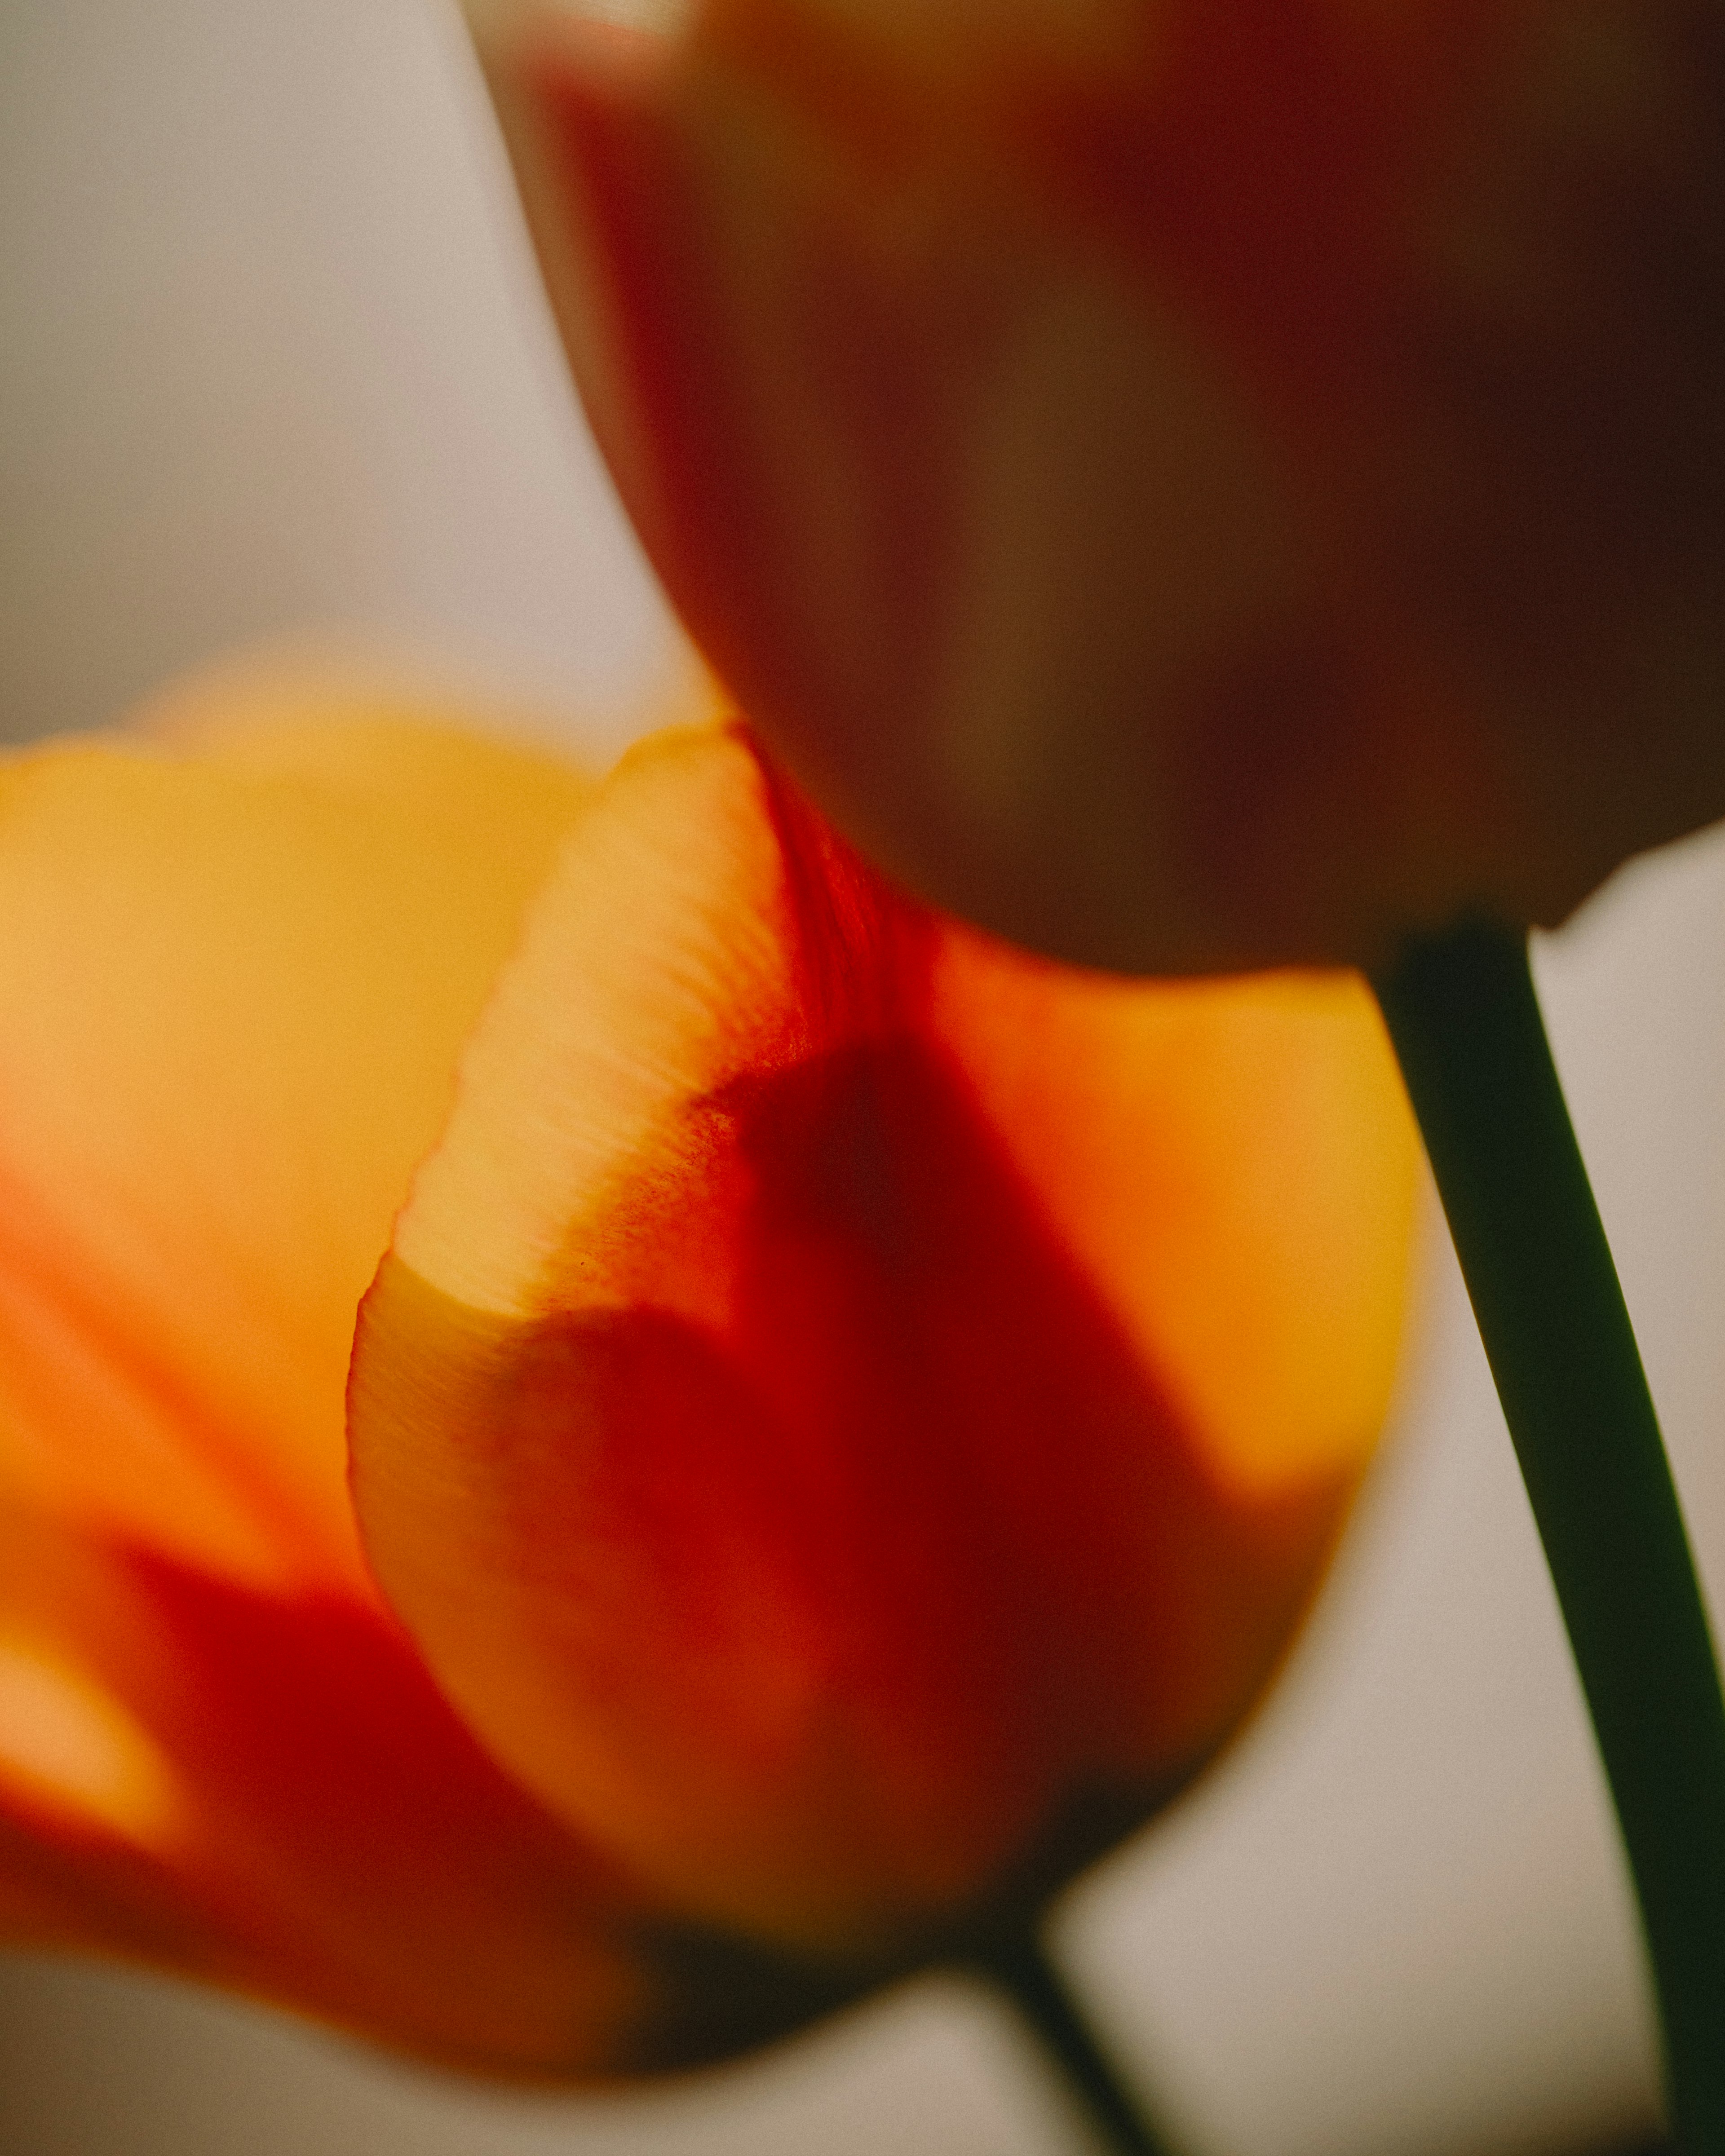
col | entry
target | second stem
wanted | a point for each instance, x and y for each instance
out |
(1465, 1019)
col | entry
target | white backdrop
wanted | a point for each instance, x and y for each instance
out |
(272, 366)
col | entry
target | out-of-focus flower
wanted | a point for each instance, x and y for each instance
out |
(1187, 485)
(834, 1481)
(235, 974)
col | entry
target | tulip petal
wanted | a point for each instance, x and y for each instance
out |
(804, 1466)
(237, 963)
(234, 983)
(264, 1791)
(1263, 1130)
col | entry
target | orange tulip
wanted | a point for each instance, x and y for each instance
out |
(1186, 485)
(849, 1421)
(852, 1414)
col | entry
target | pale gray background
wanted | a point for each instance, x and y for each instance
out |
(272, 364)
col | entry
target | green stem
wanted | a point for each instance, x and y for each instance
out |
(1463, 1015)
(1014, 1961)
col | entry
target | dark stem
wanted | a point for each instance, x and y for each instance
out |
(1463, 1015)
(1014, 1961)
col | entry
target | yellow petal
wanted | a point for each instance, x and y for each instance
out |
(235, 981)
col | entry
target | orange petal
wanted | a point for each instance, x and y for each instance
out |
(801, 1463)
(1245, 1158)
(237, 972)
(1189, 487)
(235, 981)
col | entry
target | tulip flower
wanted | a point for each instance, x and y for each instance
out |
(849, 1407)
(1187, 486)
(1197, 486)
(824, 1483)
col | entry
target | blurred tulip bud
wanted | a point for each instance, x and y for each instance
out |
(1187, 485)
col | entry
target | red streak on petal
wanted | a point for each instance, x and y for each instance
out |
(884, 349)
(625, 165)
(347, 1850)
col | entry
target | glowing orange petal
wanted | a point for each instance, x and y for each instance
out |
(1244, 1146)
(235, 981)
(798, 1468)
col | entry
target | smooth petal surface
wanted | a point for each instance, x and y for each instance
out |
(1188, 487)
(853, 1415)
(236, 964)
(234, 994)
